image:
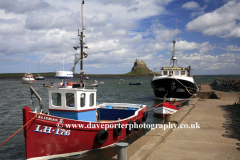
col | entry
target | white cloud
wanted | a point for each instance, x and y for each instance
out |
(45, 30)
(101, 18)
(232, 48)
(183, 45)
(194, 6)
(222, 22)
(191, 5)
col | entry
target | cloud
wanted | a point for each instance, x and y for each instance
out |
(194, 6)
(232, 48)
(183, 45)
(118, 32)
(222, 64)
(191, 5)
(101, 18)
(23, 7)
(223, 22)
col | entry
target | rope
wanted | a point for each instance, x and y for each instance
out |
(19, 129)
(183, 85)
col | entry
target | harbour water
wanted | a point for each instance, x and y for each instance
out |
(14, 96)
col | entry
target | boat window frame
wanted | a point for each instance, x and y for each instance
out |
(82, 100)
(54, 104)
(164, 73)
(91, 99)
(183, 72)
(68, 105)
(176, 72)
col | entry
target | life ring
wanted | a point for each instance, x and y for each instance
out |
(101, 136)
(145, 114)
(118, 129)
(130, 126)
(137, 122)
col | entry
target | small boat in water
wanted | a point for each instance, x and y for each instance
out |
(135, 83)
(91, 85)
(162, 109)
(39, 77)
(76, 123)
(28, 79)
(176, 81)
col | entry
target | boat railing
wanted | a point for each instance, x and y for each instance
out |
(32, 91)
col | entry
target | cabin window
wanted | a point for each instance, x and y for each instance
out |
(70, 99)
(82, 101)
(182, 72)
(176, 73)
(170, 72)
(91, 99)
(56, 99)
(164, 72)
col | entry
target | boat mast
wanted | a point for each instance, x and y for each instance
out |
(38, 69)
(82, 42)
(173, 59)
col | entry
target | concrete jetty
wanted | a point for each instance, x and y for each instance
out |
(204, 138)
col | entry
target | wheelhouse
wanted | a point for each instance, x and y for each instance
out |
(174, 71)
(73, 103)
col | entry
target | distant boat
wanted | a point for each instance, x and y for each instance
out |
(86, 78)
(135, 83)
(101, 82)
(28, 79)
(92, 85)
(39, 77)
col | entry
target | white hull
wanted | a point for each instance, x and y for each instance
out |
(172, 99)
(28, 80)
(164, 110)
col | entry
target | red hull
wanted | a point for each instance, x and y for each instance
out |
(165, 108)
(43, 137)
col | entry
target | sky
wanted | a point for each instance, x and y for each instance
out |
(207, 34)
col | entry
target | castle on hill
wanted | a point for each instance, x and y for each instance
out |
(139, 64)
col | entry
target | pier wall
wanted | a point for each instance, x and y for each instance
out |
(226, 83)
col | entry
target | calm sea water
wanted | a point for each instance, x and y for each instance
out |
(14, 96)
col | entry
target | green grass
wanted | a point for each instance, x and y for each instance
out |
(139, 72)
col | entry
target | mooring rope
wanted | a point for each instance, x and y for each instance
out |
(20, 129)
(184, 86)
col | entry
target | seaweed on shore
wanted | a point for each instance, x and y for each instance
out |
(232, 124)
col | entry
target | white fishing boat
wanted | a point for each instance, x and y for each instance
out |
(28, 79)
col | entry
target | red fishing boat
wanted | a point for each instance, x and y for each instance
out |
(166, 108)
(76, 123)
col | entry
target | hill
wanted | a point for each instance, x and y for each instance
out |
(140, 69)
